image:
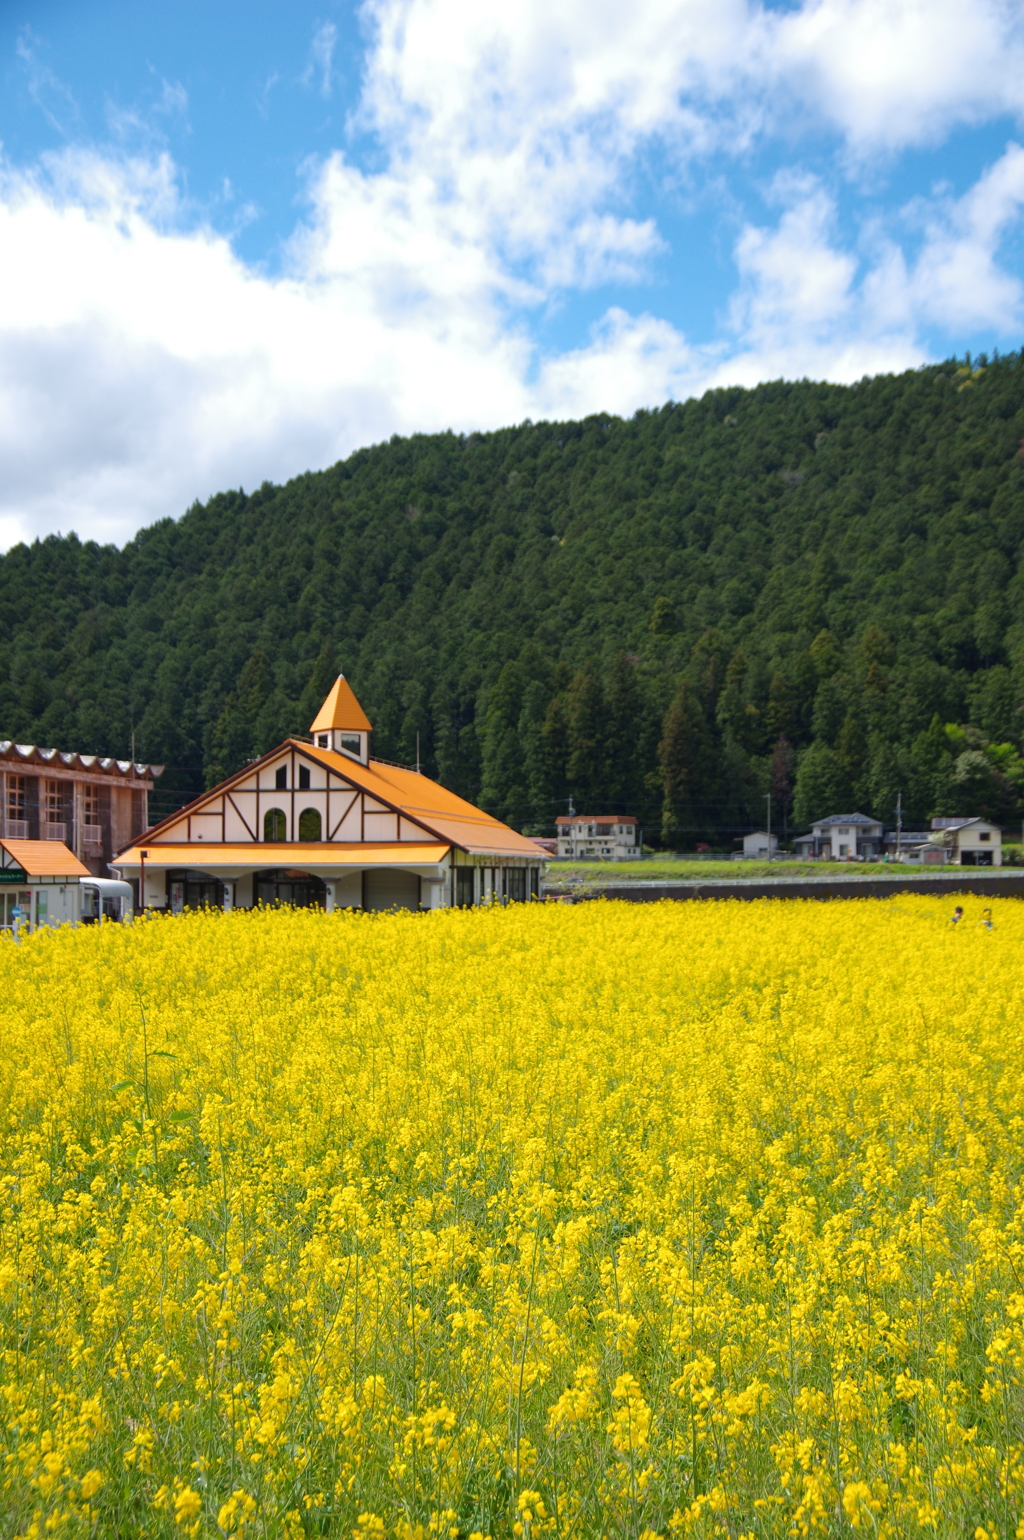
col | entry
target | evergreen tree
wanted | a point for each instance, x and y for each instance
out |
(318, 685)
(624, 721)
(504, 789)
(685, 759)
(587, 749)
(822, 787)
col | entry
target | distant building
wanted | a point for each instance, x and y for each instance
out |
(957, 842)
(318, 822)
(759, 845)
(909, 845)
(548, 846)
(584, 837)
(90, 804)
(843, 837)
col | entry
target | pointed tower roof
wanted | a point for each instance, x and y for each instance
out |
(341, 710)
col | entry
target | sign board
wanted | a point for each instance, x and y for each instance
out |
(12, 874)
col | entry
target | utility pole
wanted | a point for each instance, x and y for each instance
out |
(768, 800)
(417, 753)
(899, 826)
(572, 831)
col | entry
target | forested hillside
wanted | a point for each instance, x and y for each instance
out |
(811, 589)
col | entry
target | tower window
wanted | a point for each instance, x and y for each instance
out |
(274, 827)
(303, 777)
(309, 825)
(351, 743)
(281, 778)
(323, 741)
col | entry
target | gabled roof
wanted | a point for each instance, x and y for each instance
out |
(596, 818)
(341, 710)
(43, 858)
(433, 808)
(851, 818)
(422, 800)
(959, 823)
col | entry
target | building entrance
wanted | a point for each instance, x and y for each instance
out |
(284, 887)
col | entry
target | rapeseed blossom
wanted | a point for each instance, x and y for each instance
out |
(607, 1220)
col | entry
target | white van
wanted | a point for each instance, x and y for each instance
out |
(104, 899)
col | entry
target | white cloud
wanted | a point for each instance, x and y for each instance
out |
(49, 94)
(142, 364)
(888, 75)
(321, 56)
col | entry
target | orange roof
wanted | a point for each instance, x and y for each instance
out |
(433, 807)
(44, 858)
(204, 856)
(341, 710)
(438, 812)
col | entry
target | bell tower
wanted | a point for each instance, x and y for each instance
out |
(341, 723)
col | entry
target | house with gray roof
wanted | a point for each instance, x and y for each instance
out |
(843, 837)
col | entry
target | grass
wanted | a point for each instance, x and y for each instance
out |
(684, 869)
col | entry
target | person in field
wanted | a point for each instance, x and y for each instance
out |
(986, 919)
(957, 915)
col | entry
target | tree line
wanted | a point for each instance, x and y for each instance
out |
(807, 592)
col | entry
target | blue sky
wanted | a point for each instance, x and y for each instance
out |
(238, 241)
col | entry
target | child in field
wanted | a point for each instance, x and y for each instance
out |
(958, 915)
(986, 919)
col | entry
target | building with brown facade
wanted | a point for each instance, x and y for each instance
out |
(90, 804)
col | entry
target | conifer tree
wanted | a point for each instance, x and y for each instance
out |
(685, 760)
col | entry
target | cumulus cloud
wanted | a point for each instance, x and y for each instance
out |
(142, 364)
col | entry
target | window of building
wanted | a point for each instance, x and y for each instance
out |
(351, 743)
(309, 825)
(17, 807)
(515, 884)
(274, 826)
(323, 741)
(464, 887)
(51, 801)
(90, 806)
(984, 836)
(281, 778)
(304, 778)
(17, 793)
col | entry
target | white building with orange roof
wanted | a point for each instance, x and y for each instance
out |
(320, 822)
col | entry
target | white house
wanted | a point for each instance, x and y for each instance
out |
(843, 837)
(586, 837)
(968, 841)
(320, 822)
(757, 846)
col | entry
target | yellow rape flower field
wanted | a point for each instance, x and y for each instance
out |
(607, 1220)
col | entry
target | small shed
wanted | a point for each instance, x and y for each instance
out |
(757, 846)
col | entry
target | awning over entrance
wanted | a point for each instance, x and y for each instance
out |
(230, 861)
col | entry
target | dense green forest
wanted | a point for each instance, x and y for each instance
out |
(809, 591)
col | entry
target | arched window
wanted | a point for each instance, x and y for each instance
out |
(274, 826)
(309, 824)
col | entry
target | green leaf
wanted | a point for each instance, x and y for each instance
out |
(161, 1053)
(122, 1085)
(180, 1117)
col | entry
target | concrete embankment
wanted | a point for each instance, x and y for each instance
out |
(977, 883)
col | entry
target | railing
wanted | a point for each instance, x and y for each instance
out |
(54, 831)
(17, 828)
(92, 834)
